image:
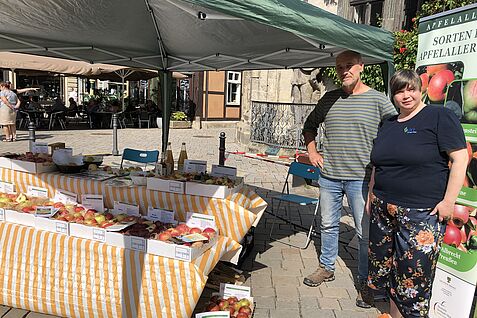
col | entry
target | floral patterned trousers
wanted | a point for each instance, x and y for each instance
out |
(404, 246)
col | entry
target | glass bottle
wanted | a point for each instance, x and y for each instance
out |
(162, 167)
(169, 159)
(182, 157)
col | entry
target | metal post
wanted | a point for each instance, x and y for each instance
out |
(115, 135)
(222, 149)
(31, 135)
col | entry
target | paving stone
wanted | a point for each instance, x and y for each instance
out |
(37, 315)
(267, 302)
(350, 304)
(286, 281)
(293, 265)
(328, 303)
(3, 310)
(351, 313)
(287, 304)
(306, 291)
(286, 292)
(334, 292)
(261, 312)
(308, 302)
(285, 313)
(309, 312)
(15, 313)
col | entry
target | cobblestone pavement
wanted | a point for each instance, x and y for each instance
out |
(275, 270)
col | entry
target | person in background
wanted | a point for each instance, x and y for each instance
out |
(9, 103)
(58, 106)
(351, 115)
(73, 107)
(411, 194)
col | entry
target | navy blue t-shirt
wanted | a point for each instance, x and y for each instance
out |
(411, 158)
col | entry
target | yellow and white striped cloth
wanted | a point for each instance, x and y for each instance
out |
(72, 277)
(234, 215)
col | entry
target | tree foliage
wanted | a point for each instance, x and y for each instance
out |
(405, 44)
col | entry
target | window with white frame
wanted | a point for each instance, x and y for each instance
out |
(233, 88)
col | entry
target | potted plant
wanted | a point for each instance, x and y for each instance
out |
(179, 120)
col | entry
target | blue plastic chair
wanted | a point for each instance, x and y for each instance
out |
(304, 171)
(141, 156)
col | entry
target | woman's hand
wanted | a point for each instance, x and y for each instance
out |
(444, 210)
(367, 207)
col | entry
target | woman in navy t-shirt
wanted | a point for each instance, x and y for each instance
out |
(412, 194)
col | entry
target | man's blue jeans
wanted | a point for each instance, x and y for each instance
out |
(331, 203)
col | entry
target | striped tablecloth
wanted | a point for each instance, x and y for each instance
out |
(71, 277)
(234, 215)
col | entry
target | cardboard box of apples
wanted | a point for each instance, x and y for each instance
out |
(186, 241)
(232, 301)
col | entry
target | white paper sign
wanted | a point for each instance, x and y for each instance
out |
(164, 216)
(61, 227)
(138, 244)
(2, 214)
(182, 253)
(195, 166)
(6, 187)
(126, 208)
(200, 220)
(224, 171)
(230, 290)
(99, 234)
(65, 197)
(214, 314)
(45, 211)
(40, 147)
(37, 192)
(93, 201)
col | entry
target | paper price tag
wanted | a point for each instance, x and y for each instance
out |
(230, 290)
(37, 192)
(65, 197)
(126, 208)
(45, 211)
(213, 314)
(182, 253)
(138, 244)
(93, 201)
(195, 166)
(200, 220)
(224, 171)
(61, 227)
(6, 187)
(40, 147)
(2, 214)
(164, 216)
(99, 235)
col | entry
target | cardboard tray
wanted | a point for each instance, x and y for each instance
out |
(179, 252)
(212, 190)
(165, 185)
(32, 167)
(21, 218)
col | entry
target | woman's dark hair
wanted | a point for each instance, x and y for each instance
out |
(404, 78)
(5, 84)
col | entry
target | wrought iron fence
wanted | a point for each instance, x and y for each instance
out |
(279, 124)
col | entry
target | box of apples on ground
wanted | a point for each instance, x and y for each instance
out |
(28, 162)
(232, 301)
(186, 241)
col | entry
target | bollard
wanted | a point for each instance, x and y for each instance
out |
(31, 135)
(115, 151)
(222, 149)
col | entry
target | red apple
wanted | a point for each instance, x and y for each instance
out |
(224, 305)
(452, 236)
(242, 315)
(90, 214)
(438, 85)
(433, 69)
(173, 232)
(109, 216)
(69, 217)
(460, 215)
(232, 300)
(79, 208)
(183, 228)
(164, 236)
(58, 205)
(245, 309)
(28, 209)
(424, 81)
(210, 231)
(195, 230)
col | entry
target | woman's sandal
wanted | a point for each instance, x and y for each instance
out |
(7, 140)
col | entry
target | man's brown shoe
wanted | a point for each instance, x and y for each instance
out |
(319, 276)
(365, 298)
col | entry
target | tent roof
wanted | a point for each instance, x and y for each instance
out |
(188, 35)
(18, 61)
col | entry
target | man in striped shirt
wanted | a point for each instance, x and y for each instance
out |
(351, 116)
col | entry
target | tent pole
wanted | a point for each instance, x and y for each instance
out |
(166, 102)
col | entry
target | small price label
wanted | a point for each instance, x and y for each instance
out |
(224, 171)
(7, 187)
(195, 166)
(200, 220)
(164, 216)
(45, 211)
(213, 314)
(93, 201)
(138, 244)
(61, 227)
(182, 253)
(99, 235)
(40, 147)
(2, 214)
(176, 186)
(230, 290)
(37, 192)
(129, 209)
(65, 197)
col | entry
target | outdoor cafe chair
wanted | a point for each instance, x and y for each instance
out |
(304, 171)
(140, 156)
(25, 118)
(59, 117)
(144, 118)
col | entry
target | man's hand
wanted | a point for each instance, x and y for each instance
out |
(316, 159)
(444, 210)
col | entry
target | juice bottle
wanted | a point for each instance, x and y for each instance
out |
(182, 157)
(169, 159)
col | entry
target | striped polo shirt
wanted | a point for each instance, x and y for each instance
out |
(350, 125)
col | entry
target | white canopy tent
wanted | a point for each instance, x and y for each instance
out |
(187, 35)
